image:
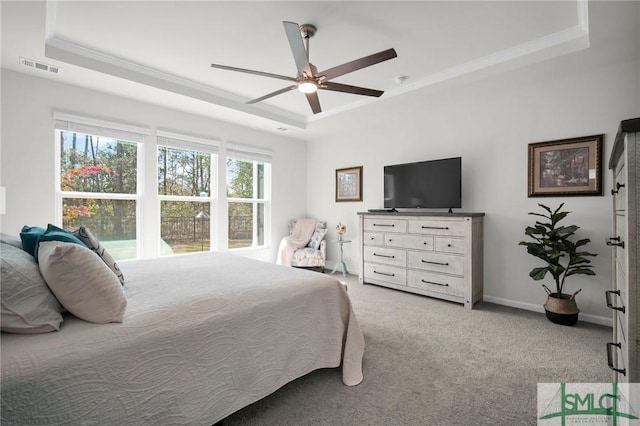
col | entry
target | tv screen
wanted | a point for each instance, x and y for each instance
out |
(426, 184)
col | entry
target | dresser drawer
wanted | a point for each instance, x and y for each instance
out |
(420, 242)
(450, 245)
(620, 197)
(385, 255)
(621, 330)
(386, 225)
(448, 264)
(622, 282)
(372, 238)
(623, 352)
(621, 223)
(437, 283)
(437, 227)
(386, 273)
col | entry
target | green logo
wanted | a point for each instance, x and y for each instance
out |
(588, 403)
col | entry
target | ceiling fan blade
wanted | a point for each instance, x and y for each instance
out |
(297, 47)
(357, 64)
(314, 102)
(338, 87)
(260, 73)
(272, 94)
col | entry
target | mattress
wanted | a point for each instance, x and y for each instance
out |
(204, 335)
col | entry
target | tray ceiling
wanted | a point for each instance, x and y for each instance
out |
(161, 52)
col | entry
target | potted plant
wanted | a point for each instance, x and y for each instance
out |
(553, 244)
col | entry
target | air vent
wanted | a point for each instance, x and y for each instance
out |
(30, 63)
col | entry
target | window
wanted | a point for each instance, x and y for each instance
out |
(107, 182)
(248, 192)
(186, 171)
(98, 182)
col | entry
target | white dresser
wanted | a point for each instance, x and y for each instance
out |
(433, 254)
(623, 299)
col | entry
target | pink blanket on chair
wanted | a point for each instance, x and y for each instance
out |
(300, 237)
(302, 232)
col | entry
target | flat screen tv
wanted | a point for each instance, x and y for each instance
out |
(425, 184)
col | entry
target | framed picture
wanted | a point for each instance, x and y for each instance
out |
(349, 184)
(566, 167)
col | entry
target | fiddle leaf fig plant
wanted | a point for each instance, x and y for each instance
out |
(553, 244)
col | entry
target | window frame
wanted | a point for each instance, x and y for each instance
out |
(106, 129)
(256, 156)
(200, 145)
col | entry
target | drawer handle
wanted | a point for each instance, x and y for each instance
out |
(435, 227)
(610, 346)
(383, 224)
(384, 273)
(618, 186)
(434, 263)
(384, 255)
(431, 282)
(615, 241)
(607, 295)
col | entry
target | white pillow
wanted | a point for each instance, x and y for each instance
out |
(28, 306)
(82, 282)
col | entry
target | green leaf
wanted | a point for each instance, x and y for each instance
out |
(565, 231)
(546, 208)
(538, 273)
(583, 242)
(557, 217)
(581, 271)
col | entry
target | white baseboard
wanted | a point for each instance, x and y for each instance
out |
(595, 319)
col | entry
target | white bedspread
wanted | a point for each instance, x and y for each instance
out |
(204, 335)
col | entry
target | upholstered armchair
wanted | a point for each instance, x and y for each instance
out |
(313, 255)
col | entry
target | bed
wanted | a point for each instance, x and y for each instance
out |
(203, 336)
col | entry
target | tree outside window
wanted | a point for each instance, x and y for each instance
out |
(98, 188)
(184, 187)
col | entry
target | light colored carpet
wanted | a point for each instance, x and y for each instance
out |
(431, 362)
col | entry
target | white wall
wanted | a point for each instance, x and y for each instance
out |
(27, 168)
(490, 124)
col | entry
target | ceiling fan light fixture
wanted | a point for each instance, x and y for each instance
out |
(307, 87)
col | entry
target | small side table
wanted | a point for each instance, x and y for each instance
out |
(341, 265)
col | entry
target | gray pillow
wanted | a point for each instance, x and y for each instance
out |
(82, 282)
(92, 242)
(12, 240)
(27, 304)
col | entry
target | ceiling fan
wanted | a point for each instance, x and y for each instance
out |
(308, 79)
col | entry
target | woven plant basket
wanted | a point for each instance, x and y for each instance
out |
(561, 310)
(563, 305)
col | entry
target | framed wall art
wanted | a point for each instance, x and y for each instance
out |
(566, 167)
(349, 184)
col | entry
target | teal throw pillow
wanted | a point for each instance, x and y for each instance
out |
(53, 233)
(30, 236)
